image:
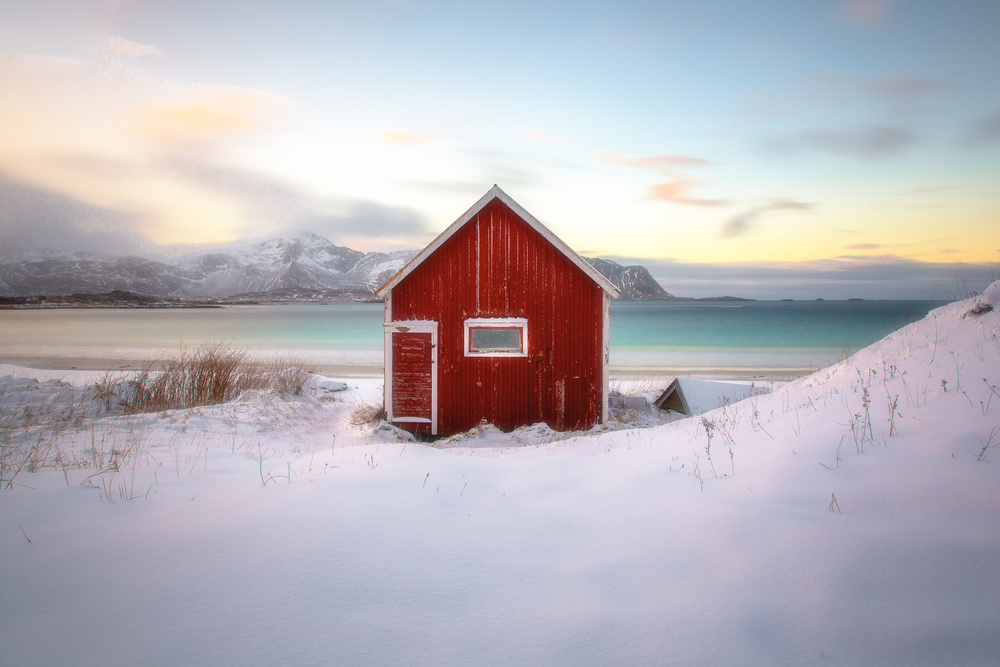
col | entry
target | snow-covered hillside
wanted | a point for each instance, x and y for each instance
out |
(851, 517)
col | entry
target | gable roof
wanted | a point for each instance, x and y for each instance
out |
(693, 397)
(496, 193)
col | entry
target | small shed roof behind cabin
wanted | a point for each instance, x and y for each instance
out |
(694, 397)
(496, 193)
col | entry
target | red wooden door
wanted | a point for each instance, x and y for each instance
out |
(412, 376)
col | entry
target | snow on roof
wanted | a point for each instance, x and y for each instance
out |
(496, 193)
(693, 397)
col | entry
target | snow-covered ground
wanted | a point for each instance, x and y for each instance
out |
(851, 517)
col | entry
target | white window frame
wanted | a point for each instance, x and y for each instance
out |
(496, 323)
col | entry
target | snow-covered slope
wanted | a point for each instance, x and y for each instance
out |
(851, 517)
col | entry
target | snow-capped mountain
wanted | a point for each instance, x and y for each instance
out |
(303, 260)
(299, 261)
(634, 282)
(14, 255)
(92, 276)
(374, 269)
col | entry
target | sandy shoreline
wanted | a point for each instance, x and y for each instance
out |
(66, 363)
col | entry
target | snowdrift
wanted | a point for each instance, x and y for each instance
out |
(851, 517)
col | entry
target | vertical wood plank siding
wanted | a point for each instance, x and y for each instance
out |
(498, 266)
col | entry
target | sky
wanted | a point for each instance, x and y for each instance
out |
(835, 148)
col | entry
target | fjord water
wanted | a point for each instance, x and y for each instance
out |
(695, 336)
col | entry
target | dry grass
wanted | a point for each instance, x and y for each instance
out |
(215, 373)
(32, 423)
(35, 417)
(368, 415)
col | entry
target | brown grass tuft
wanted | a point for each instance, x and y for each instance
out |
(368, 415)
(214, 373)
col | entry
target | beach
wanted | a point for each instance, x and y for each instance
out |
(751, 341)
(114, 364)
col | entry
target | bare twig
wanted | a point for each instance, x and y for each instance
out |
(986, 445)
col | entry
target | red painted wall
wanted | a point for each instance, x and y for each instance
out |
(496, 265)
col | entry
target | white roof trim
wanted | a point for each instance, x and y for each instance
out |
(496, 193)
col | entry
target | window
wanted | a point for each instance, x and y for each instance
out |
(496, 337)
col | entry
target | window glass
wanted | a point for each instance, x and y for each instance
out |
(496, 337)
(482, 339)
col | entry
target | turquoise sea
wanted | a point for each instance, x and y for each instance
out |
(746, 336)
(734, 337)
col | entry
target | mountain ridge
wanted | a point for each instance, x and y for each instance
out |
(269, 266)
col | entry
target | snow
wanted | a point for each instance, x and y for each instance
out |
(704, 395)
(851, 517)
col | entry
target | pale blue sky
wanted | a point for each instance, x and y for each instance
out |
(765, 137)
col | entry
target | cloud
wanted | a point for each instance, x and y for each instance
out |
(924, 190)
(116, 44)
(207, 117)
(677, 190)
(863, 13)
(842, 95)
(820, 88)
(33, 218)
(743, 223)
(665, 164)
(740, 224)
(900, 246)
(37, 218)
(983, 130)
(520, 169)
(269, 204)
(899, 88)
(265, 203)
(365, 219)
(122, 141)
(866, 141)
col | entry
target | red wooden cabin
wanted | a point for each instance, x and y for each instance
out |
(496, 320)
